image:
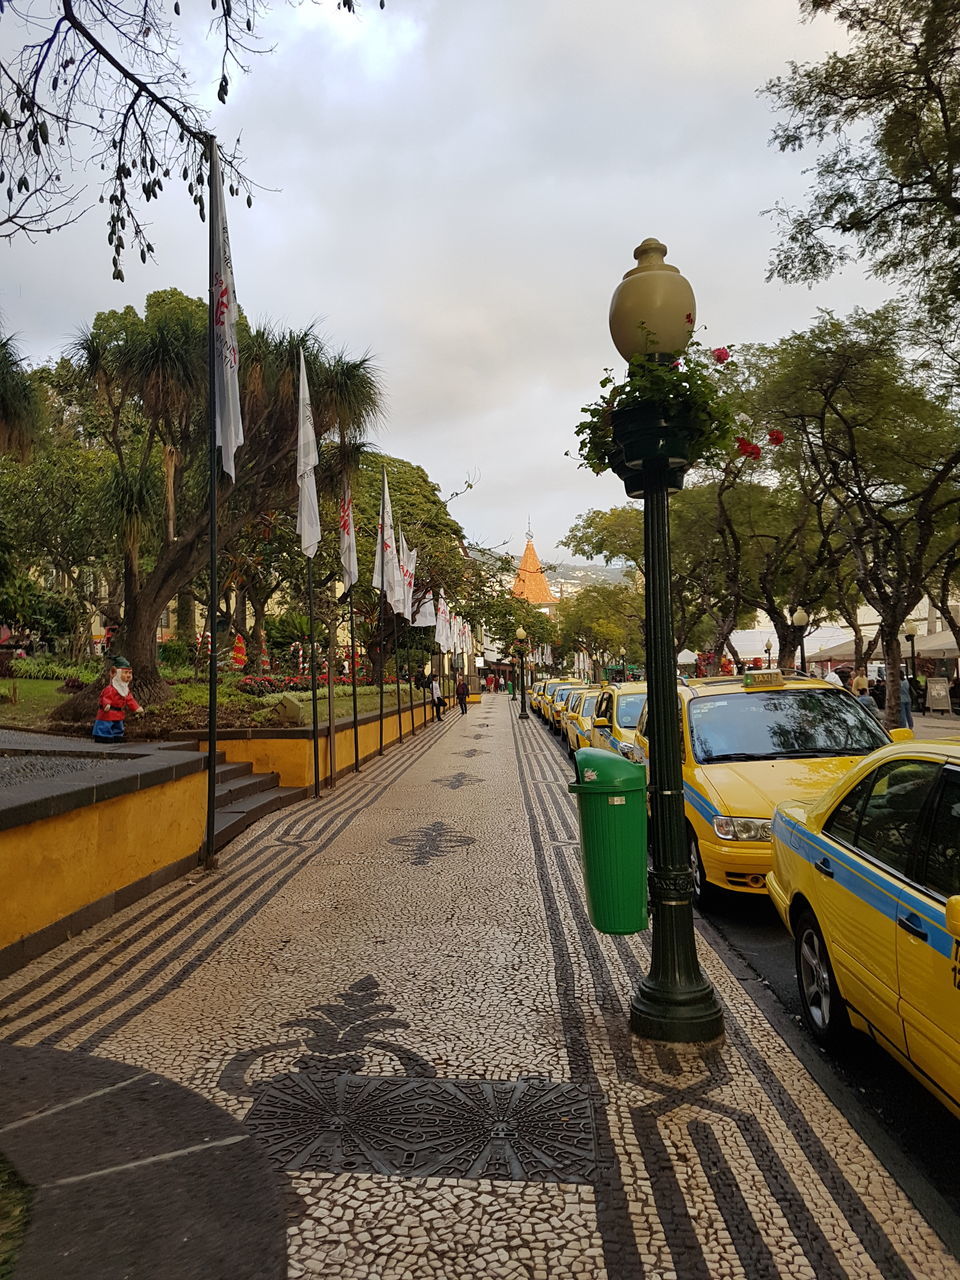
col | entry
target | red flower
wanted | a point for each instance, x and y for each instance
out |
(721, 355)
(775, 435)
(748, 448)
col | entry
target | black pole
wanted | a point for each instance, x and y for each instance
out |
(413, 709)
(353, 679)
(523, 683)
(313, 681)
(674, 1002)
(209, 855)
(331, 690)
(803, 657)
(396, 669)
(913, 655)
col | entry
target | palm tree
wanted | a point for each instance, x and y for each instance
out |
(20, 405)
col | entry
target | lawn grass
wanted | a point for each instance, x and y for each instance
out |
(15, 1198)
(35, 700)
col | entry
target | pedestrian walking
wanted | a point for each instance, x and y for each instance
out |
(462, 691)
(439, 701)
(906, 713)
(859, 684)
(501, 685)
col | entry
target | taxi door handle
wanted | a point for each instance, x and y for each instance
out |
(824, 867)
(915, 931)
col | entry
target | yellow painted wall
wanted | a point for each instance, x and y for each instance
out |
(292, 758)
(51, 868)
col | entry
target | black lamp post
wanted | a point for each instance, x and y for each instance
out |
(522, 648)
(767, 648)
(623, 664)
(910, 631)
(800, 619)
(652, 315)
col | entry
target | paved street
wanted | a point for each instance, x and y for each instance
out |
(396, 989)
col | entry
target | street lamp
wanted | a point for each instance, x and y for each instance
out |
(768, 647)
(652, 314)
(910, 631)
(800, 619)
(522, 648)
(623, 664)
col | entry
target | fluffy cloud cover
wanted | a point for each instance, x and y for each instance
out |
(457, 186)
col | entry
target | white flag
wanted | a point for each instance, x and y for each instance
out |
(408, 567)
(308, 514)
(443, 624)
(348, 540)
(226, 354)
(386, 565)
(426, 615)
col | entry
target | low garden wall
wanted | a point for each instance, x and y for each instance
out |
(85, 833)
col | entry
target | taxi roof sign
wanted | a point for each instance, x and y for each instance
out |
(763, 680)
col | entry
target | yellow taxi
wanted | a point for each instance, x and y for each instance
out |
(616, 715)
(545, 701)
(558, 705)
(748, 742)
(867, 879)
(534, 693)
(578, 717)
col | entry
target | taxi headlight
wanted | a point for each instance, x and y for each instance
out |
(754, 829)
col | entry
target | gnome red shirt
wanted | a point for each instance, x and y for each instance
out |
(114, 705)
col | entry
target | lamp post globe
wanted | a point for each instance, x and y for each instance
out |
(910, 631)
(768, 648)
(623, 664)
(800, 619)
(522, 650)
(652, 316)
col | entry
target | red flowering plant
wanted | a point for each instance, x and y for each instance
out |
(689, 393)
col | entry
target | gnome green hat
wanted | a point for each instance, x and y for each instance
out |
(119, 661)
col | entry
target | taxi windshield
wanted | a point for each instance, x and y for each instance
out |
(789, 724)
(563, 695)
(629, 706)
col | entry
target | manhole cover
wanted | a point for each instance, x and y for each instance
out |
(526, 1130)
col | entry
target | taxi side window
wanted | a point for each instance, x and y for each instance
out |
(942, 872)
(890, 826)
(642, 722)
(845, 819)
(604, 703)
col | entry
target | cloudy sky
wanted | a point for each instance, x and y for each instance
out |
(457, 186)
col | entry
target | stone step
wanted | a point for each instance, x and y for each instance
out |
(234, 789)
(233, 769)
(232, 821)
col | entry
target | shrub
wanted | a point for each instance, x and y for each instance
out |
(49, 667)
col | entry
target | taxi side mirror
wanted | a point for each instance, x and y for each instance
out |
(901, 735)
(953, 916)
(601, 723)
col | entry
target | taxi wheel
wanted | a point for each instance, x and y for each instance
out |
(822, 1006)
(704, 894)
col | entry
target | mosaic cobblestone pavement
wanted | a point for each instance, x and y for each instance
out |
(398, 987)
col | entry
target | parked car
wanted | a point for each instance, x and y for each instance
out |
(867, 879)
(747, 743)
(616, 715)
(579, 717)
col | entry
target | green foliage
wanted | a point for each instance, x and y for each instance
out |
(688, 392)
(885, 119)
(21, 402)
(48, 667)
(602, 618)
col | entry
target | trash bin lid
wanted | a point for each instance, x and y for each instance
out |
(599, 770)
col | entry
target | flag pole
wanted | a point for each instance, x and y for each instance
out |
(313, 681)
(209, 853)
(331, 712)
(353, 680)
(396, 667)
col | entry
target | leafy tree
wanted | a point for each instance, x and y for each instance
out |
(885, 117)
(112, 74)
(880, 450)
(602, 619)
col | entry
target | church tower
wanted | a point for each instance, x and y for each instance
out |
(531, 584)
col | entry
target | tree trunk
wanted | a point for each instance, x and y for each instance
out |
(187, 617)
(891, 658)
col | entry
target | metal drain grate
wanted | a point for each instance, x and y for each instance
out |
(526, 1130)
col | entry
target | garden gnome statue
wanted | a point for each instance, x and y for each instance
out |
(115, 701)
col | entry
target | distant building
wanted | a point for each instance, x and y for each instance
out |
(531, 584)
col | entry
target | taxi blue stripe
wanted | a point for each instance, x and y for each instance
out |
(700, 803)
(872, 886)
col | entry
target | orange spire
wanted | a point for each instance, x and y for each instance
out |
(530, 583)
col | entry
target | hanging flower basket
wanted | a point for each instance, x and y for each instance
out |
(643, 433)
(633, 477)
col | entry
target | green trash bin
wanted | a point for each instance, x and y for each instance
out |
(510, 687)
(612, 800)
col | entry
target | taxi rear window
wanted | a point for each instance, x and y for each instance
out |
(589, 702)
(629, 706)
(782, 725)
